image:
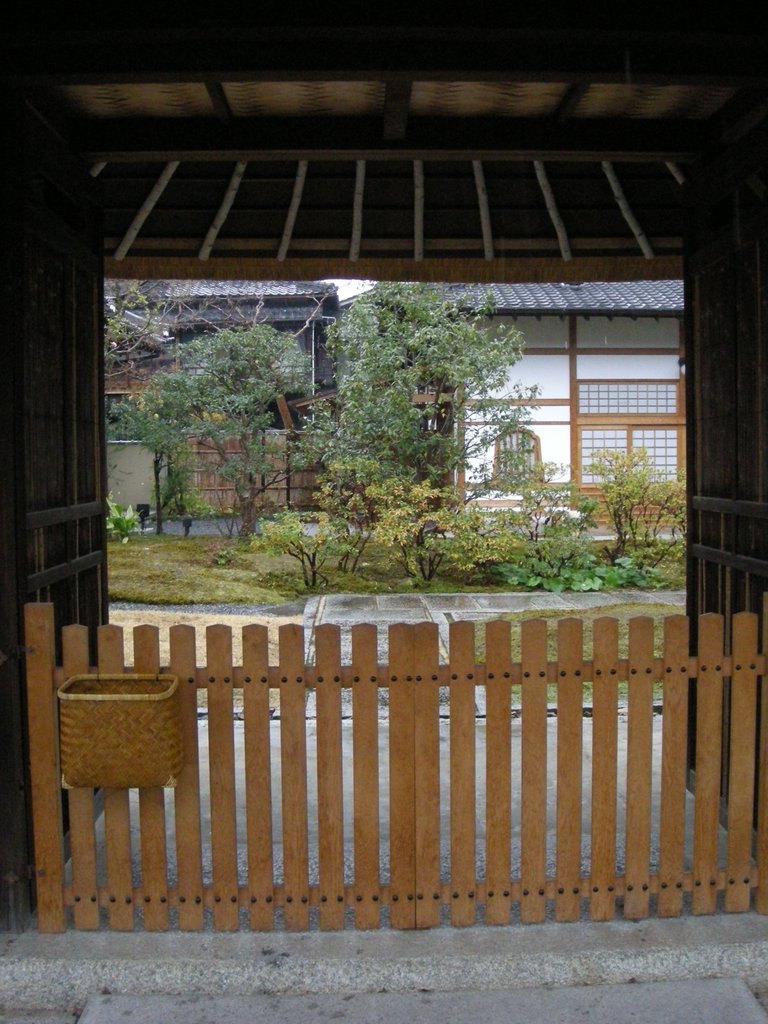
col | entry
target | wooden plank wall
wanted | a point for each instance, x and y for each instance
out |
(418, 793)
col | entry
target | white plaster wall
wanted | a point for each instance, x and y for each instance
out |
(129, 473)
(619, 367)
(550, 373)
(625, 332)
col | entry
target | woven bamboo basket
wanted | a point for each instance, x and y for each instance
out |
(120, 731)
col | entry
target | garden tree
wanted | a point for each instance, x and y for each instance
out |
(423, 390)
(155, 419)
(133, 328)
(226, 394)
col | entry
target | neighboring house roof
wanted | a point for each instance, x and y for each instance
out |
(599, 298)
(244, 289)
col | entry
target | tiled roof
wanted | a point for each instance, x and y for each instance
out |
(244, 289)
(635, 298)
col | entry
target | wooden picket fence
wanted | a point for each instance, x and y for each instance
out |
(372, 829)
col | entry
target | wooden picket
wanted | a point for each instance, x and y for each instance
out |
(430, 837)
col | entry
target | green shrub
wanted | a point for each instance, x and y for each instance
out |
(309, 538)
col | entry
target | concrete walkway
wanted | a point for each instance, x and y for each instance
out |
(346, 610)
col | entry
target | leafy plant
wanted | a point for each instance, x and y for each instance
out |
(121, 522)
(647, 511)
(587, 574)
(309, 538)
(415, 520)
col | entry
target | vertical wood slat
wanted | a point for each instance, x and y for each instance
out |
(709, 738)
(187, 823)
(639, 778)
(605, 696)
(82, 834)
(293, 762)
(402, 805)
(741, 777)
(673, 766)
(365, 776)
(330, 800)
(569, 769)
(42, 716)
(146, 648)
(533, 822)
(258, 777)
(463, 788)
(761, 842)
(427, 774)
(117, 814)
(221, 759)
(498, 772)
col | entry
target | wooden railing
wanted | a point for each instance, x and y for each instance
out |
(418, 792)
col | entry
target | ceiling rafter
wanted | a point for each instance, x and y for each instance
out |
(485, 212)
(219, 101)
(397, 101)
(418, 210)
(145, 209)
(293, 209)
(626, 210)
(357, 211)
(223, 212)
(552, 210)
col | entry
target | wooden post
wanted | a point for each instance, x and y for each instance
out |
(604, 768)
(365, 778)
(402, 802)
(427, 774)
(463, 790)
(330, 798)
(761, 852)
(293, 755)
(533, 801)
(42, 715)
(498, 772)
(570, 654)
(82, 836)
(639, 768)
(673, 764)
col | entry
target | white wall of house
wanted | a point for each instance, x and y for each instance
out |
(129, 473)
(604, 382)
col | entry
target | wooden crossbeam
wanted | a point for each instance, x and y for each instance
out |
(219, 101)
(397, 100)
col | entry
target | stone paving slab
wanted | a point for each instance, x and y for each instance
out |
(711, 1001)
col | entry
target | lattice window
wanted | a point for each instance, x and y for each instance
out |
(660, 444)
(597, 440)
(644, 397)
(519, 441)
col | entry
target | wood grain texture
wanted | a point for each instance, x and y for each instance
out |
(365, 776)
(637, 840)
(293, 761)
(533, 824)
(498, 772)
(330, 797)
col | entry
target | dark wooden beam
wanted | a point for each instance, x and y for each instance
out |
(570, 101)
(218, 100)
(397, 100)
(359, 138)
(357, 53)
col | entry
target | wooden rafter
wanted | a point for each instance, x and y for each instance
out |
(626, 209)
(97, 168)
(146, 208)
(485, 212)
(397, 99)
(570, 100)
(418, 209)
(223, 211)
(552, 210)
(676, 171)
(218, 100)
(357, 211)
(293, 209)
